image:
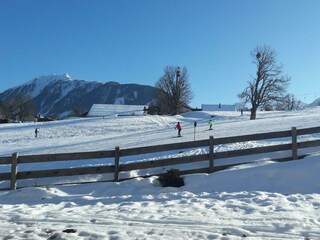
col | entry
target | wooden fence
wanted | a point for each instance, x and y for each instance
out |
(116, 154)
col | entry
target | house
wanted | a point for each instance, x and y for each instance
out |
(219, 107)
(40, 118)
(101, 110)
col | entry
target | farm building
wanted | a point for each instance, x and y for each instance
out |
(218, 107)
(101, 110)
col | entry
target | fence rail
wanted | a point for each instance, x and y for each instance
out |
(116, 154)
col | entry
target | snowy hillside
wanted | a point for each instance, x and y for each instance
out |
(266, 200)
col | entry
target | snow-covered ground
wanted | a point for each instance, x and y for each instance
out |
(261, 200)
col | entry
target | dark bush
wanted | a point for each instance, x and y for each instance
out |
(4, 120)
(171, 179)
(44, 119)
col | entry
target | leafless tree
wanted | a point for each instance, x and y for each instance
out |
(173, 90)
(4, 111)
(289, 103)
(21, 107)
(269, 84)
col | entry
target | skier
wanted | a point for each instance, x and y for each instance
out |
(36, 132)
(178, 126)
(210, 124)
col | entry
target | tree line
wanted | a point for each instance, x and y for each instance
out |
(18, 108)
(21, 108)
(266, 90)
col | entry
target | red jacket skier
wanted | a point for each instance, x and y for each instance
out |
(179, 129)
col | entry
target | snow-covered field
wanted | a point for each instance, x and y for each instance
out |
(252, 201)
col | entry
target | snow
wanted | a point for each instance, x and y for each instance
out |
(41, 82)
(260, 200)
(135, 94)
(119, 100)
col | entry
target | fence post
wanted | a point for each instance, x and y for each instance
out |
(14, 171)
(116, 164)
(294, 143)
(211, 155)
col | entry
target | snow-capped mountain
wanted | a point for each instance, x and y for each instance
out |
(56, 94)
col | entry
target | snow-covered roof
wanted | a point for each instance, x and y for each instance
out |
(218, 107)
(101, 110)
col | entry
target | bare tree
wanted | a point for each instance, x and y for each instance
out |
(4, 111)
(174, 91)
(269, 84)
(289, 103)
(21, 107)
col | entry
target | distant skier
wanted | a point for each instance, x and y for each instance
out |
(178, 126)
(210, 124)
(36, 132)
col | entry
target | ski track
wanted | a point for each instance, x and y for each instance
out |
(253, 229)
(154, 219)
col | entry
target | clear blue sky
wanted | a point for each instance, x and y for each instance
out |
(131, 41)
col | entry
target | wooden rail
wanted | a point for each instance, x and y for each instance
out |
(291, 144)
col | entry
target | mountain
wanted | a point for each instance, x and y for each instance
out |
(54, 95)
(315, 103)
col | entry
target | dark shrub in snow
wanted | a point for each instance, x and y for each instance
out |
(171, 179)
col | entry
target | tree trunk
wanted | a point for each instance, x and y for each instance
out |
(253, 113)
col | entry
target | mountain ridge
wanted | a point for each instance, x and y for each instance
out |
(55, 94)
(315, 103)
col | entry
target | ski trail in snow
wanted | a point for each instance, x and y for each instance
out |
(99, 224)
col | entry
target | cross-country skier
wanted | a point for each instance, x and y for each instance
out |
(210, 124)
(178, 126)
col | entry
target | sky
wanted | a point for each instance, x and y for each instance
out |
(133, 41)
